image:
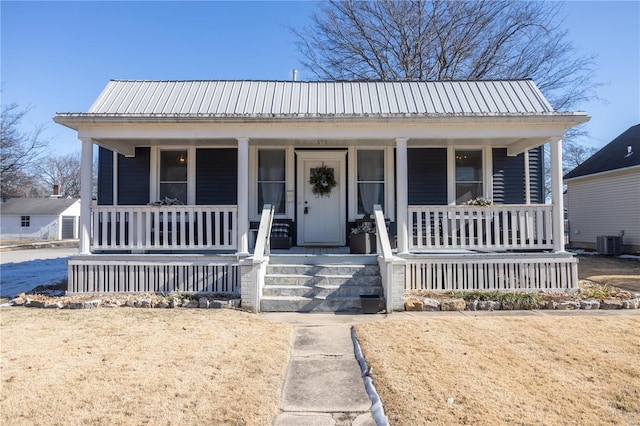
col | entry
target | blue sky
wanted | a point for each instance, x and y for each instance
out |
(58, 56)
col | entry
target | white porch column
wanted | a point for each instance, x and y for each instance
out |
(243, 196)
(86, 175)
(402, 195)
(556, 195)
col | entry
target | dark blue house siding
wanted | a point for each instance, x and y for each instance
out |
(427, 172)
(133, 178)
(217, 176)
(509, 179)
(105, 177)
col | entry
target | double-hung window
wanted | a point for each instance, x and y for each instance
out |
(469, 175)
(272, 179)
(173, 175)
(370, 179)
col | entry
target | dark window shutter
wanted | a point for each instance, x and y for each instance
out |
(133, 178)
(217, 176)
(427, 172)
(105, 177)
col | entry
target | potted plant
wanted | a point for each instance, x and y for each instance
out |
(363, 237)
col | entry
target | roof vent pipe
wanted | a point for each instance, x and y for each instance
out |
(294, 73)
(629, 151)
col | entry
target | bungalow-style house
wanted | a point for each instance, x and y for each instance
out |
(40, 218)
(603, 196)
(197, 177)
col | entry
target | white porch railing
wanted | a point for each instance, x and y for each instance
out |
(385, 256)
(163, 228)
(492, 271)
(475, 227)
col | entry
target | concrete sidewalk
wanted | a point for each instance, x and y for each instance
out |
(324, 385)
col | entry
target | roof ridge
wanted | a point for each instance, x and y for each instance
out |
(126, 80)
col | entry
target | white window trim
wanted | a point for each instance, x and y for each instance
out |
(389, 182)
(487, 171)
(254, 214)
(154, 183)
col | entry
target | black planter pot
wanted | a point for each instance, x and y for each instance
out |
(362, 243)
(370, 303)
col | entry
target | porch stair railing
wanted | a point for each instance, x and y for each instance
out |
(255, 269)
(177, 227)
(496, 227)
(391, 267)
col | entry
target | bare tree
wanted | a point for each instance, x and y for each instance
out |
(64, 171)
(443, 40)
(18, 150)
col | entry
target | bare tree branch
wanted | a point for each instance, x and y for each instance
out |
(440, 40)
(18, 151)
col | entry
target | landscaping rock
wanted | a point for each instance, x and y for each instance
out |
(568, 305)
(472, 305)
(488, 305)
(413, 305)
(203, 303)
(53, 304)
(590, 304)
(174, 303)
(453, 305)
(86, 304)
(611, 304)
(162, 304)
(129, 304)
(30, 303)
(218, 304)
(430, 305)
(631, 304)
(18, 301)
(190, 303)
(143, 303)
(551, 304)
(234, 303)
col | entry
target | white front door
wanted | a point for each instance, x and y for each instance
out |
(321, 219)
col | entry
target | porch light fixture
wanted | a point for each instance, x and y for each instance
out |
(182, 160)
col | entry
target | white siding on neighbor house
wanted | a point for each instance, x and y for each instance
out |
(41, 227)
(604, 205)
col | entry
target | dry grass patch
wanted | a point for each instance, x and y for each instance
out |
(140, 366)
(506, 370)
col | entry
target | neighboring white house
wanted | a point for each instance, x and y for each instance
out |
(603, 194)
(188, 169)
(40, 218)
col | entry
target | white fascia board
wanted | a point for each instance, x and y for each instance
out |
(607, 174)
(453, 128)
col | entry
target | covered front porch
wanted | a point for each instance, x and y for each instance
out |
(241, 156)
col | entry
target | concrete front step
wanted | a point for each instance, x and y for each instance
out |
(315, 280)
(323, 259)
(319, 287)
(321, 291)
(323, 269)
(308, 304)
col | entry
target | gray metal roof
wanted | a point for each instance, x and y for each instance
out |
(260, 99)
(36, 206)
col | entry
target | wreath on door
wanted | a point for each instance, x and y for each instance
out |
(322, 181)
